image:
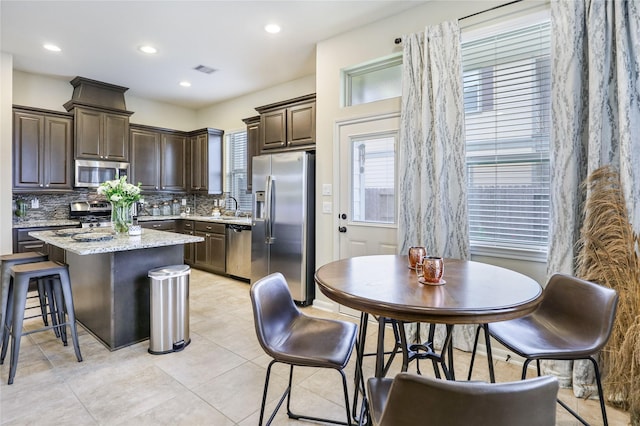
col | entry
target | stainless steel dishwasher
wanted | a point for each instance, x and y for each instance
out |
(239, 251)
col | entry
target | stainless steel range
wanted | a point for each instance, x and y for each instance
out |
(91, 214)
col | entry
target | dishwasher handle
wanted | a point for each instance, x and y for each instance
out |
(238, 228)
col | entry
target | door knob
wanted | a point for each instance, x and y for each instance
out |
(342, 229)
(343, 216)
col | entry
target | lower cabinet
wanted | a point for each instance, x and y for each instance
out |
(187, 227)
(23, 242)
(210, 254)
(159, 225)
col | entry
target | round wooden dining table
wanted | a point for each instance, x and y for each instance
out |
(473, 292)
(385, 286)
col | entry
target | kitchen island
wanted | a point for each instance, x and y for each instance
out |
(109, 278)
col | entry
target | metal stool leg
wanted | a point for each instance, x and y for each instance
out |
(20, 289)
(68, 301)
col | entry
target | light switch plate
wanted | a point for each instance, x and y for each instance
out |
(326, 189)
(327, 206)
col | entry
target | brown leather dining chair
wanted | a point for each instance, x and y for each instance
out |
(293, 338)
(410, 399)
(573, 321)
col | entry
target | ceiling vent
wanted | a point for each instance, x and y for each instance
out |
(205, 69)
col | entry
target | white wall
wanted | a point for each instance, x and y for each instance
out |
(228, 115)
(6, 212)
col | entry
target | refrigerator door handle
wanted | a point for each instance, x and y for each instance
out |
(270, 211)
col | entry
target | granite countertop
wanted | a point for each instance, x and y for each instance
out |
(45, 223)
(149, 238)
(221, 219)
(72, 223)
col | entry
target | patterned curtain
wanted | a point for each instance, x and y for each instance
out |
(596, 121)
(432, 177)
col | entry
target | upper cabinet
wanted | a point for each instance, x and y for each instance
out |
(253, 145)
(204, 165)
(101, 135)
(42, 151)
(101, 120)
(288, 125)
(158, 159)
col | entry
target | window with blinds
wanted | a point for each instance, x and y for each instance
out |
(507, 119)
(236, 169)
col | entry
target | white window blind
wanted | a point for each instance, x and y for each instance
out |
(236, 169)
(507, 120)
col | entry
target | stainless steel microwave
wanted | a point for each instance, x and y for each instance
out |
(90, 173)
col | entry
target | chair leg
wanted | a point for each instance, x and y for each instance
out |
(59, 298)
(42, 297)
(68, 303)
(53, 307)
(565, 406)
(264, 396)
(318, 419)
(600, 393)
(8, 320)
(21, 287)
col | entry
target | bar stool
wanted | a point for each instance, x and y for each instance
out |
(8, 260)
(58, 275)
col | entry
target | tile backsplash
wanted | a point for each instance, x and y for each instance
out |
(56, 206)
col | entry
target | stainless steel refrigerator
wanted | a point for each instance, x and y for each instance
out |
(283, 234)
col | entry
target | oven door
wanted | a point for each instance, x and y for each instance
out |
(90, 174)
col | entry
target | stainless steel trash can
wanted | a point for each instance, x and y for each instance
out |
(169, 309)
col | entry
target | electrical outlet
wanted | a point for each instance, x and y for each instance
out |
(35, 203)
(327, 206)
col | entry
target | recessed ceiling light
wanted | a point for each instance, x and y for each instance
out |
(272, 28)
(148, 49)
(185, 84)
(52, 47)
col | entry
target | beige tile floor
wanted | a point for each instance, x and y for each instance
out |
(217, 380)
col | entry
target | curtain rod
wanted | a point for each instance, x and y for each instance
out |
(398, 40)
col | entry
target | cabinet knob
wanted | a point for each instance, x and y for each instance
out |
(156, 187)
(41, 185)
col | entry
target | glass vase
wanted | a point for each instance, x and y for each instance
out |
(121, 217)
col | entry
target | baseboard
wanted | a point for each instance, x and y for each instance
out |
(324, 305)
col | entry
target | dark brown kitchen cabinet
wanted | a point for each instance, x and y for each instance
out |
(204, 165)
(210, 254)
(253, 145)
(42, 151)
(288, 125)
(23, 242)
(173, 154)
(101, 134)
(145, 159)
(187, 227)
(159, 225)
(158, 159)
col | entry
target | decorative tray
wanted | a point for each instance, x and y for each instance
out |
(70, 232)
(90, 237)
